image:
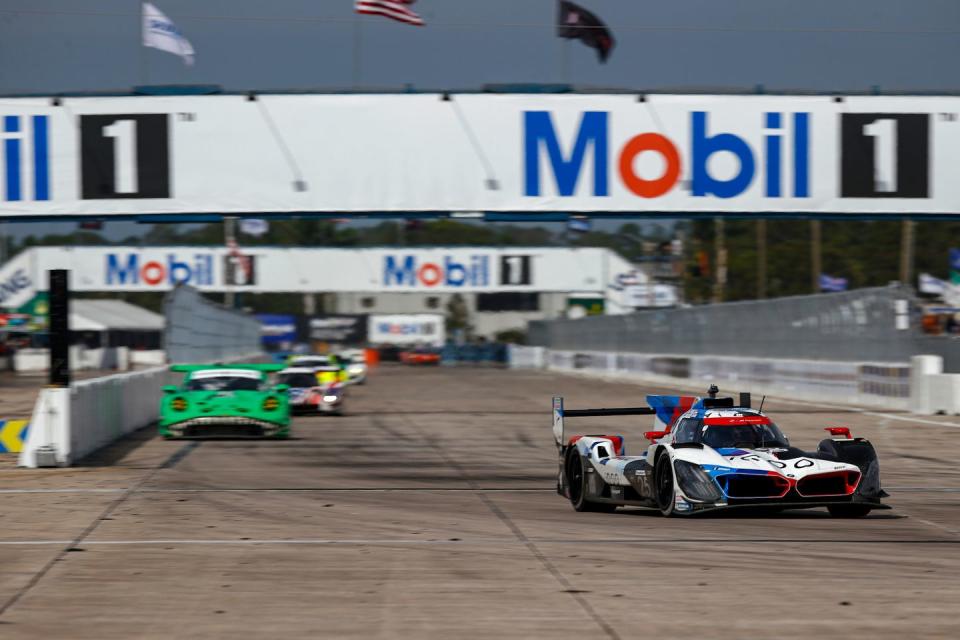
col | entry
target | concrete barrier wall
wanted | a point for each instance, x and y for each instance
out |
(871, 384)
(71, 423)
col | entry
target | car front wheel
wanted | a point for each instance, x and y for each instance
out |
(664, 482)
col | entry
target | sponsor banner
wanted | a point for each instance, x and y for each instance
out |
(407, 329)
(511, 153)
(271, 270)
(650, 295)
(342, 328)
(276, 329)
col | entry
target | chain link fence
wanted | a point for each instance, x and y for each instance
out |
(864, 325)
(198, 330)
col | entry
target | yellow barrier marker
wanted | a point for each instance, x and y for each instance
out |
(12, 435)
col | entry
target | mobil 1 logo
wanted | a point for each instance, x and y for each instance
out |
(124, 156)
(884, 155)
(515, 270)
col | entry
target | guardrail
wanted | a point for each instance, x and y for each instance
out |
(886, 385)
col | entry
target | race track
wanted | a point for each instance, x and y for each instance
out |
(430, 512)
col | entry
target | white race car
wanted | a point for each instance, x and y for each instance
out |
(356, 365)
(310, 392)
(708, 454)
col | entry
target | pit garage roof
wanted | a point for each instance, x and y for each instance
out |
(112, 315)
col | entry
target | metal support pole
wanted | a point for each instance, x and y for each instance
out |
(230, 241)
(720, 257)
(907, 243)
(761, 258)
(816, 258)
(59, 326)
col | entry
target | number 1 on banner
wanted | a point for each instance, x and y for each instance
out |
(884, 134)
(124, 134)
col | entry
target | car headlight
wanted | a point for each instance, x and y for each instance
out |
(329, 398)
(695, 482)
(270, 404)
(178, 404)
(356, 368)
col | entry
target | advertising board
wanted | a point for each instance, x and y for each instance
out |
(406, 329)
(577, 153)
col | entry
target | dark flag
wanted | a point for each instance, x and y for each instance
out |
(575, 22)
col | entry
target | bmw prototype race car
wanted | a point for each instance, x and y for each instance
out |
(707, 454)
(310, 392)
(225, 401)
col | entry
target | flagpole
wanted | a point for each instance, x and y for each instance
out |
(357, 41)
(565, 62)
(144, 69)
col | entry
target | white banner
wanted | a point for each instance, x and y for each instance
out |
(506, 153)
(270, 269)
(407, 329)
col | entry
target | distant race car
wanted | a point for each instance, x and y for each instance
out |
(707, 454)
(311, 392)
(225, 401)
(420, 355)
(356, 365)
(325, 361)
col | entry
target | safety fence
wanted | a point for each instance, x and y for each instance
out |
(864, 325)
(198, 330)
(491, 353)
(881, 385)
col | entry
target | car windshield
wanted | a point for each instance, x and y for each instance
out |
(224, 383)
(313, 362)
(749, 436)
(297, 380)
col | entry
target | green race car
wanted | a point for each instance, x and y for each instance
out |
(226, 401)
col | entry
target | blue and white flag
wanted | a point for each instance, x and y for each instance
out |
(159, 32)
(829, 283)
(254, 226)
(932, 285)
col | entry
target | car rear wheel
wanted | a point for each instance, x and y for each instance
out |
(849, 510)
(664, 483)
(577, 486)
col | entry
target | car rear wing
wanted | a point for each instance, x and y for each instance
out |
(559, 414)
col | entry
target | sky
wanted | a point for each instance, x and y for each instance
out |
(49, 46)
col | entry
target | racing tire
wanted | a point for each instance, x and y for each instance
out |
(577, 486)
(849, 510)
(665, 485)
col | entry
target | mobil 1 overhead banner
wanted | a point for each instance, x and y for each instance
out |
(271, 269)
(521, 153)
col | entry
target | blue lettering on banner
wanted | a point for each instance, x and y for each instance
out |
(13, 158)
(128, 270)
(407, 271)
(13, 285)
(538, 128)
(593, 131)
(401, 275)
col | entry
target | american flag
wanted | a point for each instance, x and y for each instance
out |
(395, 9)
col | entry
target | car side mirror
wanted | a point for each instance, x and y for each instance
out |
(169, 388)
(281, 388)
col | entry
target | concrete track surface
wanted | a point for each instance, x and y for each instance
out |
(429, 512)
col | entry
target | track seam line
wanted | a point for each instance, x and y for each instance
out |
(175, 457)
(520, 536)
